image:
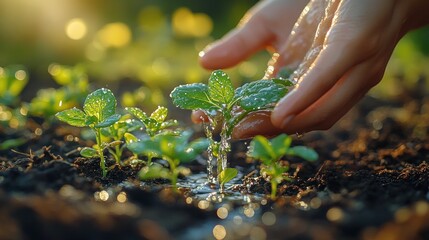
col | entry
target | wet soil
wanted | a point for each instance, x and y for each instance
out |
(371, 182)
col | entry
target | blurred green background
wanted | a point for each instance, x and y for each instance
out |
(151, 43)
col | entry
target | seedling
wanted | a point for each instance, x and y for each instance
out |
(74, 88)
(269, 152)
(227, 107)
(13, 79)
(156, 123)
(98, 112)
(115, 134)
(175, 149)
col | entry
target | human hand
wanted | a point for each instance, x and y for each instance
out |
(339, 48)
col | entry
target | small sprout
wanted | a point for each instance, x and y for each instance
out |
(74, 88)
(156, 123)
(98, 113)
(172, 148)
(227, 107)
(227, 175)
(269, 152)
(115, 134)
(12, 81)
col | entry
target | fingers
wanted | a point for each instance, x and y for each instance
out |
(257, 123)
(236, 46)
(340, 52)
(199, 116)
(327, 110)
(292, 52)
(266, 24)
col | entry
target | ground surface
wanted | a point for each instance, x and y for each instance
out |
(371, 182)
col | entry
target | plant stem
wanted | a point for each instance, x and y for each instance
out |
(118, 154)
(100, 152)
(273, 189)
(174, 174)
(149, 159)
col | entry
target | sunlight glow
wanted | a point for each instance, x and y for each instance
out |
(114, 35)
(76, 29)
(188, 24)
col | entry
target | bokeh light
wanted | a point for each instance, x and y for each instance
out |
(114, 35)
(76, 29)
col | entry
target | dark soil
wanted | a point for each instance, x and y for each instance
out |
(371, 182)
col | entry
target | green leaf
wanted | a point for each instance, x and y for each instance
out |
(108, 121)
(200, 145)
(227, 175)
(88, 152)
(137, 112)
(188, 152)
(259, 94)
(153, 171)
(146, 147)
(192, 97)
(284, 82)
(101, 104)
(169, 123)
(152, 125)
(220, 87)
(130, 138)
(281, 144)
(11, 143)
(74, 117)
(303, 152)
(260, 148)
(160, 114)
(89, 120)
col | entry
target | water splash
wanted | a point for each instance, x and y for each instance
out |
(211, 161)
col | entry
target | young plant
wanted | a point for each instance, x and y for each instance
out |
(226, 106)
(269, 152)
(98, 112)
(74, 88)
(13, 79)
(115, 134)
(175, 149)
(156, 123)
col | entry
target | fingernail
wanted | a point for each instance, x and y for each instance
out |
(286, 121)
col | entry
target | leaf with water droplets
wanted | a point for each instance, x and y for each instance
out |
(259, 94)
(137, 112)
(282, 81)
(74, 117)
(192, 97)
(160, 114)
(220, 87)
(101, 103)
